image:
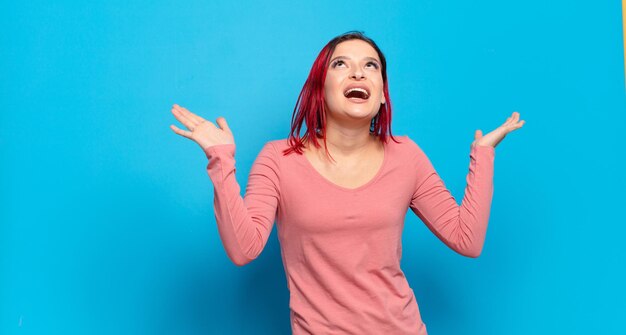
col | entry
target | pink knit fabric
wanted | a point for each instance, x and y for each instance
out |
(341, 247)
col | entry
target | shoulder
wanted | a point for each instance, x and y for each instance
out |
(277, 146)
(268, 160)
(283, 147)
(405, 144)
(278, 143)
(408, 149)
(273, 145)
(405, 140)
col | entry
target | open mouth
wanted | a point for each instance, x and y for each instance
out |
(356, 94)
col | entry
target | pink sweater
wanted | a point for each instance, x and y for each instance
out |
(341, 247)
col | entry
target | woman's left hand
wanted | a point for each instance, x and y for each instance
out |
(498, 134)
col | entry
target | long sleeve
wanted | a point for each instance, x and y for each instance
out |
(462, 228)
(244, 224)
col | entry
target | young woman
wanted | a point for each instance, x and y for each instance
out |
(340, 206)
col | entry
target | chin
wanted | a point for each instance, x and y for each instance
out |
(360, 114)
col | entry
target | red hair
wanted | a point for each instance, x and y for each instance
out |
(311, 107)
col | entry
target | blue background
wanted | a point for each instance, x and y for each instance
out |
(107, 223)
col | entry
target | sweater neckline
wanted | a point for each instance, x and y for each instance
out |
(346, 189)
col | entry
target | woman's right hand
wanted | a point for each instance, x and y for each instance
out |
(203, 132)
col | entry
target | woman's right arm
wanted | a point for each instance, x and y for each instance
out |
(244, 224)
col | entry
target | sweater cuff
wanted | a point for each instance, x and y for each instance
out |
(483, 149)
(220, 150)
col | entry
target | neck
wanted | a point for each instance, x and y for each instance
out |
(346, 143)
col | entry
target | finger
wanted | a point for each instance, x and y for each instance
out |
(516, 123)
(191, 116)
(510, 120)
(515, 116)
(183, 119)
(221, 121)
(181, 132)
(181, 115)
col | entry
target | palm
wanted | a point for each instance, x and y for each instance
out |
(201, 131)
(497, 135)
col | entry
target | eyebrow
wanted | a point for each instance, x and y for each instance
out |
(345, 57)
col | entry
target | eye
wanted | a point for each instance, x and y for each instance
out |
(337, 62)
(374, 64)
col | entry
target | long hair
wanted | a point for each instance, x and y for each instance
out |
(311, 106)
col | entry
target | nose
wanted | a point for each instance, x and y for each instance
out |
(357, 74)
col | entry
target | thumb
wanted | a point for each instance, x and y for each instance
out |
(478, 134)
(221, 121)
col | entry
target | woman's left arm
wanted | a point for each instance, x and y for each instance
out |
(493, 138)
(462, 228)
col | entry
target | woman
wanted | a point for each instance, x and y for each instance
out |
(340, 207)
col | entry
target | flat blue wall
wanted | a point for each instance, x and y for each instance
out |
(106, 215)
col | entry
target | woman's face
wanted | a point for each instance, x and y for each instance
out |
(354, 83)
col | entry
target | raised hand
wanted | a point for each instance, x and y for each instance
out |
(494, 137)
(203, 132)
